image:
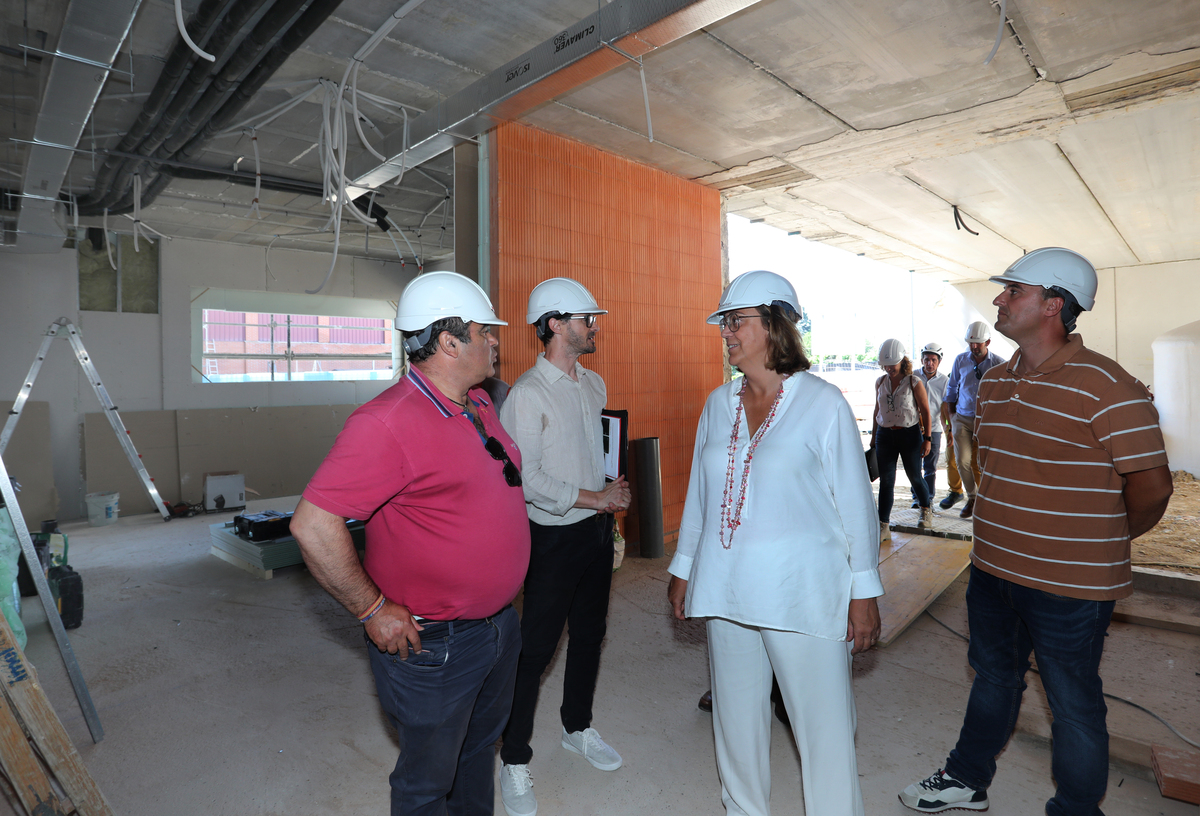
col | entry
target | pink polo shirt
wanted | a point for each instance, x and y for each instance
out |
(446, 536)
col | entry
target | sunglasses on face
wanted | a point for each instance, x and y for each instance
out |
(733, 322)
(495, 449)
(588, 320)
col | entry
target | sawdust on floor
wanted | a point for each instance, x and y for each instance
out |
(1174, 543)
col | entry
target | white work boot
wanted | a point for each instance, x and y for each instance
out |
(885, 532)
(926, 522)
(516, 790)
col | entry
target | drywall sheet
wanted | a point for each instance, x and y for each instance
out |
(277, 448)
(107, 468)
(30, 461)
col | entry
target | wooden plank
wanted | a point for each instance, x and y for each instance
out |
(25, 694)
(913, 575)
(23, 769)
(1173, 612)
(1177, 772)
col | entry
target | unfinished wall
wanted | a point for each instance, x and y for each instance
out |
(648, 246)
(145, 360)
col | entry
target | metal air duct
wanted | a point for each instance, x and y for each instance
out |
(92, 33)
(577, 55)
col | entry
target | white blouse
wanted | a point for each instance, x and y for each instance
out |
(808, 541)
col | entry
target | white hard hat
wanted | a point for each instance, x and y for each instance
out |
(891, 352)
(978, 332)
(932, 348)
(757, 288)
(1055, 266)
(434, 296)
(561, 295)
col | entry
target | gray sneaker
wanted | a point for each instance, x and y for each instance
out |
(942, 792)
(587, 743)
(516, 790)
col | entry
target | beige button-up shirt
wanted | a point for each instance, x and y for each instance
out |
(555, 421)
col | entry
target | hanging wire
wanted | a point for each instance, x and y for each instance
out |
(257, 175)
(184, 33)
(107, 243)
(999, 31)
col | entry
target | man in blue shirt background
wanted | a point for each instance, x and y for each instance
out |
(961, 392)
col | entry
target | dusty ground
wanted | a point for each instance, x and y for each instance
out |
(1174, 544)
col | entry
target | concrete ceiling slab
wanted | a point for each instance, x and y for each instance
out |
(897, 207)
(1029, 193)
(1144, 169)
(704, 101)
(875, 65)
(1076, 37)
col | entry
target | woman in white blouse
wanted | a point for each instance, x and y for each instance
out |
(779, 549)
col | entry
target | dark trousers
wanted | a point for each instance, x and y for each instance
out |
(1008, 621)
(929, 466)
(570, 574)
(449, 706)
(906, 444)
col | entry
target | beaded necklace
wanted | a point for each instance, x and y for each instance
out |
(731, 513)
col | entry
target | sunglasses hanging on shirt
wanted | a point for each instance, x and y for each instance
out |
(495, 449)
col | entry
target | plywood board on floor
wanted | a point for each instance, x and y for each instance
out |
(915, 569)
(1160, 611)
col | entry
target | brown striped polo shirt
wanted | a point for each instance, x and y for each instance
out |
(1053, 445)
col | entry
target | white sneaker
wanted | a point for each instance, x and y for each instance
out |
(516, 790)
(926, 522)
(885, 532)
(587, 743)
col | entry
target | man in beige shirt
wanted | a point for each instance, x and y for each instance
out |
(553, 414)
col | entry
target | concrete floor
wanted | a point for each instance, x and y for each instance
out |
(221, 693)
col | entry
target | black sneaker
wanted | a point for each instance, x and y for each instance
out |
(942, 792)
(951, 499)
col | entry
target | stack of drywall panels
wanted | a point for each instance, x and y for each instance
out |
(263, 557)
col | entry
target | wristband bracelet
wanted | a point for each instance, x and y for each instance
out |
(372, 609)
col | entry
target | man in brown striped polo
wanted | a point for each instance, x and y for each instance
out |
(1073, 468)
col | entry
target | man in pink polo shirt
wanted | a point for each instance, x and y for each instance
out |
(430, 467)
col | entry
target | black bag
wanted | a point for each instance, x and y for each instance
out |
(872, 463)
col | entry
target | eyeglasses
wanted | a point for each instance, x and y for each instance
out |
(733, 322)
(588, 320)
(495, 449)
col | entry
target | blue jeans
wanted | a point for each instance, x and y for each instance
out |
(929, 465)
(1067, 636)
(905, 443)
(449, 708)
(570, 574)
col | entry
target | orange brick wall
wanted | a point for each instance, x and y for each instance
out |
(647, 244)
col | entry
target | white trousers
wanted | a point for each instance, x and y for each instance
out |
(814, 676)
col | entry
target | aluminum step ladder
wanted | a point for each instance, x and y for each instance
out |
(64, 327)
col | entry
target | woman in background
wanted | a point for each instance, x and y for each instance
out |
(900, 427)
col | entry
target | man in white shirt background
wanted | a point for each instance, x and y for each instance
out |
(553, 414)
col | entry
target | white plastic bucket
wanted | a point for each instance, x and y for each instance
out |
(102, 508)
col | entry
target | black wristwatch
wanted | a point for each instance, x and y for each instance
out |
(928, 438)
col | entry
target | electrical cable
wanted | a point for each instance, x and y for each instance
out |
(1106, 694)
(999, 31)
(200, 52)
(959, 223)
